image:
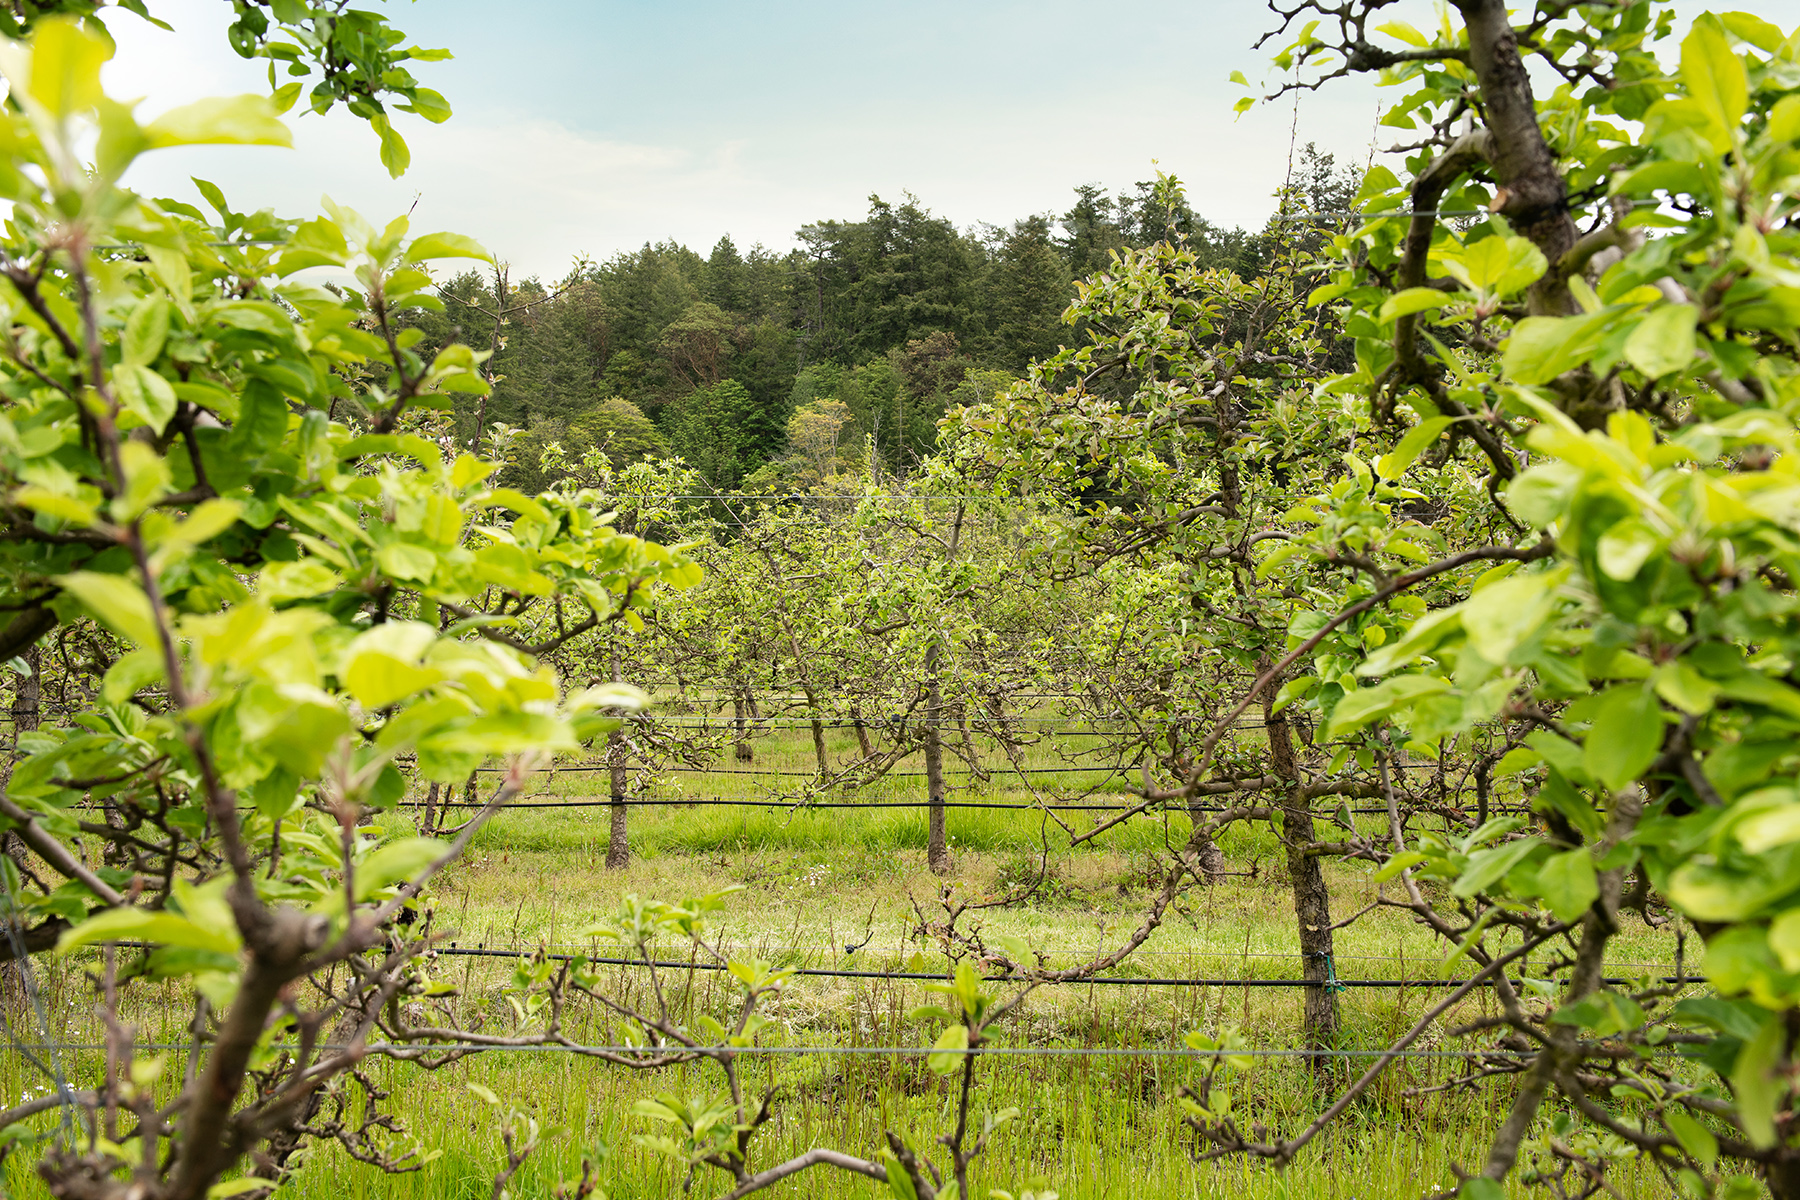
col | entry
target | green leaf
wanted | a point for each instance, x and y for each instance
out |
(247, 120)
(1520, 758)
(1601, 1014)
(1715, 79)
(1498, 265)
(1771, 818)
(146, 329)
(237, 1187)
(56, 504)
(377, 680)
(1400, 862)
(1663, 342)
(1504, 615)
(394, 154)
(147, 394)
(1784, 121)
(1694, 1137)
(1364, 705)
(160, 928)
(1625, 738)
(280, 581)
(1414, 300)
(402, 560)
(131, 674)
(1784, 939)
(1541, 348)
(1753, 29)
(428, 104)
(1423, 637)
(65, 66)
(952, 1039)
(281, 100)
(1625, 547)
(276, 793)
(396, 862)
(119, 603)
(898, 1181)
(1685, 688)
(1753, 1081)
(1404, 32)
(210, 192)
(445, 245)
(1568, 884)
(1393, 464)
(1488, 867)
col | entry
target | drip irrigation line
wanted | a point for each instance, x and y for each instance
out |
(935, 977)
(998, 770)
(802, 805)
(896, 951)
(867, 1051)
(586, 770)
(756, 724)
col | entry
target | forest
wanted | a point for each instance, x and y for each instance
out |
(1100, 706)
(897, 317)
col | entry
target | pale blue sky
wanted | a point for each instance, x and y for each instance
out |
(592, 126)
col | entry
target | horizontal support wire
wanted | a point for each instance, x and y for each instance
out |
(803, 805)
(1364, 214)
(1002, 769)
(879, 1051)
(1648, 968)
(935, 977)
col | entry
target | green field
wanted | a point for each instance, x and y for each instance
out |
(813, 882)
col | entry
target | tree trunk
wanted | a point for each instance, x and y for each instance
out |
(968, 744)
(937, 843)
(25, 711)
(429, 825)
(818, 734)
(26, 714)
(862, 732)
(618, 847)
(1312, 900)
(741, 750)
(1533, 194)
(1211, 858)
(1783, 1178)
(25, 717)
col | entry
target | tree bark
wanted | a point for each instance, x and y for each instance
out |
(618, 845)
(741, 750)
(26, 714)
(1533, 195)
(1211, 859)
(1783, 1178)
(1312, 899)
(968, 744)
(866, 747)
(937, 842)
(21, 634)
(1586, 976)
(820, 753)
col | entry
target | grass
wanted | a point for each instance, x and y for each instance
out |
(816, 881)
